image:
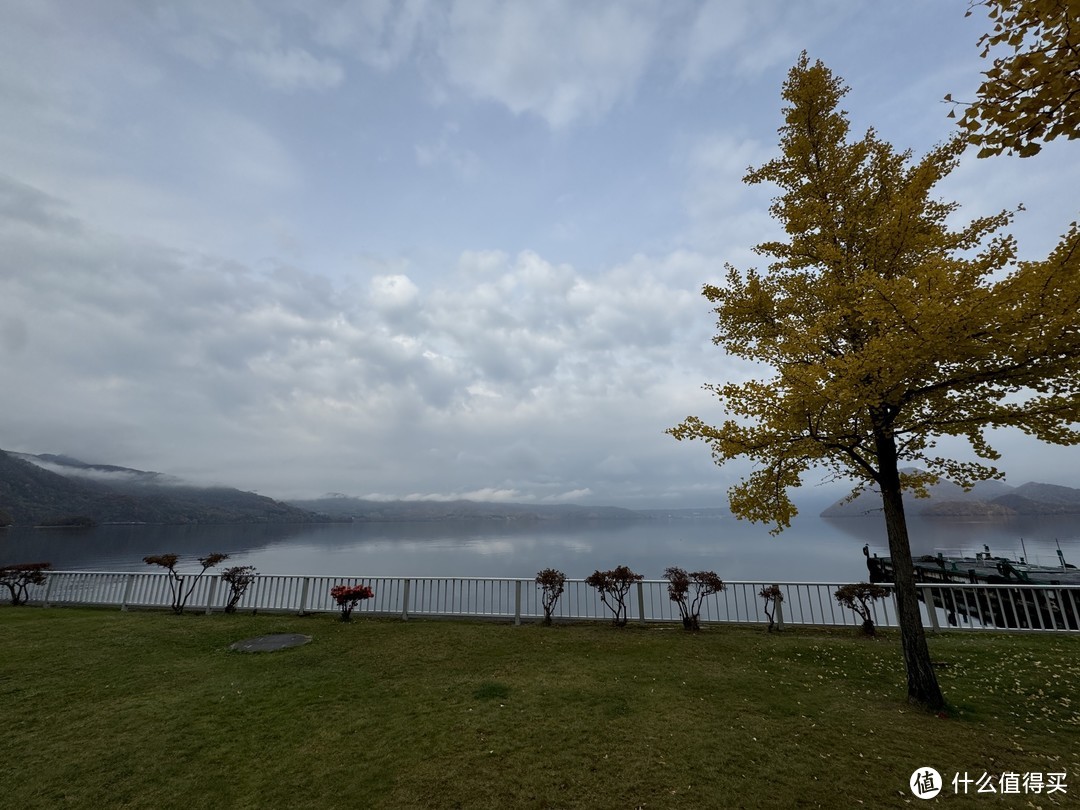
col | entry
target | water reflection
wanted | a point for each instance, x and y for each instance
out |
(814, 549)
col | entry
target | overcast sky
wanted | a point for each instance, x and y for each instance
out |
(439, 249)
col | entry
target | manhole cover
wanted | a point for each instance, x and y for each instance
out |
(277, 641)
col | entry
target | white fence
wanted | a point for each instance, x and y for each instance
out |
(943, 606)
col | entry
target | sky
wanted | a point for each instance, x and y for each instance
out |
(413, 249)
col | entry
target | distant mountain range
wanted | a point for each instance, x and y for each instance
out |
(987, 499)
(45, 489)
(358, 509)
(54, 489)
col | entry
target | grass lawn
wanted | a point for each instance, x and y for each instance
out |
(104, 709)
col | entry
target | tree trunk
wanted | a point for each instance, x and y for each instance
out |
(923, 687)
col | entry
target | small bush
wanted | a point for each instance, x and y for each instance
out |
(553, 584)
(239, 577)
(859, 597)
(704, 583)
(176, 580)
(18, 578)
(773, 596)
(348, 597)
(614, 585)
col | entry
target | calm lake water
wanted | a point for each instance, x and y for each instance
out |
(813, 550)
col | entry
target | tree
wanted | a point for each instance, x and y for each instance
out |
(19, 577)
(772, 597)
(704, 583)
(614, 585)
(552, 583)
(176, 579)
(1031, 93)
(239, 579)
(886, 329)
(860, 597)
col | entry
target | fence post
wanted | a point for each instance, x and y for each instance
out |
(931, 609)
(405, 600)
(212, 592)
(304, 595)
(779, 611)
(48, 590)
(129, 586)
(517, 602)
(641, 601)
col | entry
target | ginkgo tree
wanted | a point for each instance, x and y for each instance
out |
(1031, 91)
(885, 327)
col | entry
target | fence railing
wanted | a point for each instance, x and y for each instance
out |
(943, 606)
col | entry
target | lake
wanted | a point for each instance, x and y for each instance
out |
(813, 550)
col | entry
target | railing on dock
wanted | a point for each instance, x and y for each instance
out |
(942, 605)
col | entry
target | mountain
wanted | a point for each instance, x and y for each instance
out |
(39, 489)
(987, 499)
(360, 510)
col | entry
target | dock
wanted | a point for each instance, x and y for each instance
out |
(1029, 604)
(984, 567)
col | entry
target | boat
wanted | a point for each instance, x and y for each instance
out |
(1029, 604)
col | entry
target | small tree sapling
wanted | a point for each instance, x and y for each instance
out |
(553, 583)
(773, 596)
(704, 583)
(859, 597)
(238, 578)
(614, 585)
(176, 580)
(19, 577)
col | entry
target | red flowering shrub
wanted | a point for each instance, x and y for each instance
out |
(348, 597)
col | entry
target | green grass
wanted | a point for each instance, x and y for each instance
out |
(109, 709)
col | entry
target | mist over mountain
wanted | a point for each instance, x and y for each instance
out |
(987, 499)
(47, 488)
(35, 489)
(360, 510)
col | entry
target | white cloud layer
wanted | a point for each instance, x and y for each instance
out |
(423, 249)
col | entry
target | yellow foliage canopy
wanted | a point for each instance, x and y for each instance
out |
(1031, 93)
(886, 328)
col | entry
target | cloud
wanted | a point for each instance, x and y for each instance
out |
(393, 293)
(723, 210)
(291, 69)
(464, 162)
(564, 62)
(380, 33)
(743, 38)
(510, 374)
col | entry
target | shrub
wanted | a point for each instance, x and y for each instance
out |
(704, 583)
(859, 597)
(239, 577)
(614, 585)
(553, 584)
(348, 597)
(18, 579)
(5, 519)
(176, 580)
(773, 596)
